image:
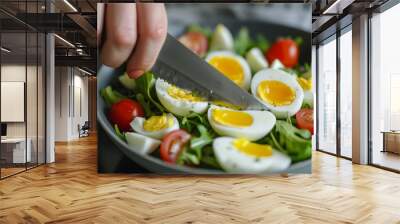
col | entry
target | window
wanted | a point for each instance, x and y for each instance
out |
(22, 75)
(346, 94)
(327, 97)
(385, 89)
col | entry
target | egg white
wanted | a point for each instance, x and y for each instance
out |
(282, 76)
(256, 59)
(243, 64)
(177, 106)
(221, 39)
(137, 126)
(140, 143)
(263, 122)
(234, 161)
(277, 64)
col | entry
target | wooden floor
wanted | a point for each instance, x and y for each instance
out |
(10, 171)
(71, 191)
(386, 159)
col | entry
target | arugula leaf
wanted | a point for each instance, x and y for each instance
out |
(306, 71)
(111, 96)
(193, 153)
(273, 141)
(119, 133)
(298, 40)
(190, 121)
(295, 142)
(262, 43)
(209, 159)
(306, 106)
(204, 139)
(242, 41)
(187, 157)
(293, 120)
(146, 105)
(144, 85)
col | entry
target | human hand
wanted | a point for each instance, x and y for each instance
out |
(134, 32)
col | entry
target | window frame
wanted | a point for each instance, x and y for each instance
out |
(334, 37)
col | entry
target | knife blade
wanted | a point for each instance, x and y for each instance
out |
(180, 66)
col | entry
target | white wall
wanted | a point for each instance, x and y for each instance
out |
(70, 84)
(33, 127)
(16, 73)
(81, 84)
(61, 103)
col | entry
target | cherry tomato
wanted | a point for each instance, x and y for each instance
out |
(172, 144)
(305, 119)
(196, 42)
(123, 112)
(286, 50)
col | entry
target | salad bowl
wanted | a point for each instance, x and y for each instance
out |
(106, 75)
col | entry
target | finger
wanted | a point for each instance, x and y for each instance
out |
(100, 18)
(121, 33)
(152, 27)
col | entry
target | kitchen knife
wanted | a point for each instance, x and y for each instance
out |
(180, 66)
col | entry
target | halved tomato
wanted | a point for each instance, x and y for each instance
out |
(196, 42)
(286, 50)
(305, 119)
(172, 144)
(123, 112)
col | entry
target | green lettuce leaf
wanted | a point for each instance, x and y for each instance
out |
(292, 141)
(111, 96)
(145, 86)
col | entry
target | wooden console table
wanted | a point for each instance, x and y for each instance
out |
(391, 141)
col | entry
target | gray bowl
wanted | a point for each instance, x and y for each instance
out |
(106, 75)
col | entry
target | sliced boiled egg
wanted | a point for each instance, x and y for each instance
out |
(221, 39)
(256, 59)
(233, 66)
(306, 84)
(276, 64)
(179, 101)
(279, 91)
(239, 155)
(155, 126)
(140, 143)
(249, 124)
(224, 104)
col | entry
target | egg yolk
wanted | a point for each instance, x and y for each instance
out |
(276, 92)
(182, 94)
(252, 149)
(232, 118)
(306, 84)
(156, 123)
(229, 67)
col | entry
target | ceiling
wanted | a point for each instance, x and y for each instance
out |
(75, 21)
(72, 20)
(330, 15)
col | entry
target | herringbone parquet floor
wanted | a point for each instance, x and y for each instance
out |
(71, 191)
